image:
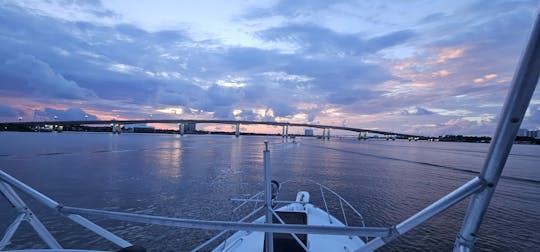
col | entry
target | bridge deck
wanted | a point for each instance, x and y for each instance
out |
(210, 121)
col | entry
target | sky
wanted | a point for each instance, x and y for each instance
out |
(419, 67)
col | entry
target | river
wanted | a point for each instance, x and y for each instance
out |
(194, 176)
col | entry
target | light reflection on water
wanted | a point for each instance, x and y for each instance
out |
(194, 176)
(170, 158)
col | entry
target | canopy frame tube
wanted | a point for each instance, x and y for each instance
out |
(518, 99)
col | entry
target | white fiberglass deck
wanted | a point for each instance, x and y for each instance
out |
(254, 241)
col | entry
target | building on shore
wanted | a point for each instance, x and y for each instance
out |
(529, 133)
(190, 128)
(522, 132)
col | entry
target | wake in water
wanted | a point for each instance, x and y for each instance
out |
(526, 180)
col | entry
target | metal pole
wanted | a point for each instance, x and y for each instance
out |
(99, 230)
(325, 205)
(28, 190)
(29, 216)
(206, 243)
(227, 225)
(274, 201)
(269, 237)
(11, 230)
(517, 101)
(292, 234)
(12, 196)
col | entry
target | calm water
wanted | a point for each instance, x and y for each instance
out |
(194, 176)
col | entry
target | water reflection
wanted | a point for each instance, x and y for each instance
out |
(170, 159)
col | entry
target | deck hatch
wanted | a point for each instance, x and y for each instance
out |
(284, 241)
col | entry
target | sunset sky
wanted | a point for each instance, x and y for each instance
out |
(421, 67)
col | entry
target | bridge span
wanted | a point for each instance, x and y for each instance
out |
(182, 122)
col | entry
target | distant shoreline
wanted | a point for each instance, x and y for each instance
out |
(147, 130)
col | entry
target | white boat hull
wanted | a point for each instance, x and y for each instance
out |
(243, 241)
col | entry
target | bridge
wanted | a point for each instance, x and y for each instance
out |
(182, 122)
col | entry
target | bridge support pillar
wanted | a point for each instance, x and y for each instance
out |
(283, 131)
(390, 137)
(286, 131)
(58, 128)
(323, 133)
(362, 136)
(237, 133)
(328, 134)
(116, 128)
(181, 129)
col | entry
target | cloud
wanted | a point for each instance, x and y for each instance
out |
(9, 112)
(75, 114)
(71, 10)
(247, 114)
(316, 39)
(417, 111)
(180, 94)
(458, 126)
(95, 58)
(223, 113)
(532, 117)
(219, 96)
(89, 53)
(361, 64)
(283, 109)
(291, 9)
(29, 73)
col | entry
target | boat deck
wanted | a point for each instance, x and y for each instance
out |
(254, 241)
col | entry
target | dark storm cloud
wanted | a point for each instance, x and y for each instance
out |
(27, 73)
(328, 74)
(83, 54)
(180, 94)
(125, 63)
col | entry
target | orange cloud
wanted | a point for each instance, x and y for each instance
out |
(440, 73)
(485, 78)
(478, 80)
(449, 53)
